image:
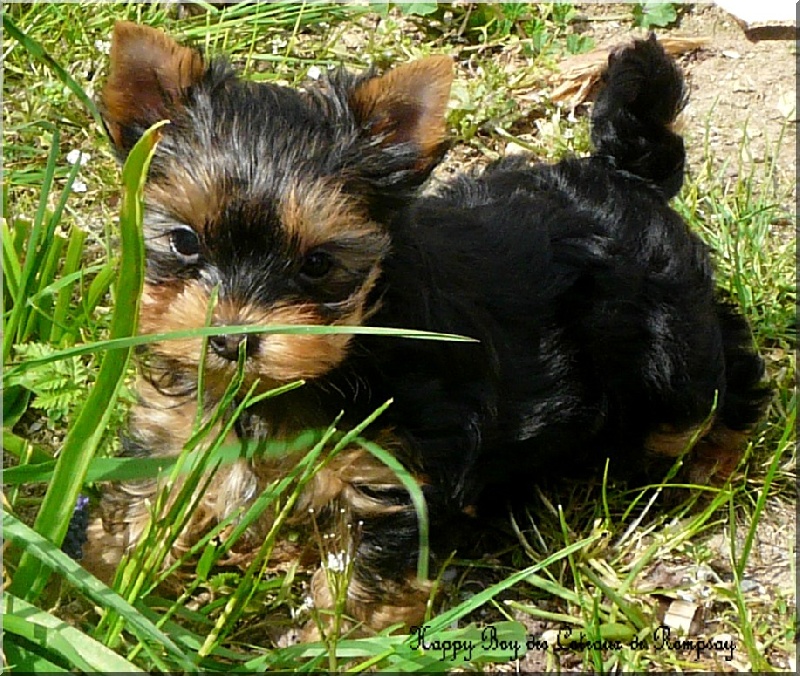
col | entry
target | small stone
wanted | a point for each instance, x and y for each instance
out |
(747, 585)
(515, 149)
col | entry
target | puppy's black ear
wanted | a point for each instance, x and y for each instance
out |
(402, 114)
(149, 73)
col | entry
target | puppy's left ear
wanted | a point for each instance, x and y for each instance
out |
(403, 115)
(149, 75)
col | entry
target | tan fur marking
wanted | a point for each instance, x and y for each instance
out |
(716, 455)
(318, 213)
(182, 305)
(192, 200)
(340, 479)
(127, 515)
(126, 511)
(163, 423)
(374, 609)
(672, 442)
(289, 357)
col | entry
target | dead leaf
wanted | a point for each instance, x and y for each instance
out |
(684, 616)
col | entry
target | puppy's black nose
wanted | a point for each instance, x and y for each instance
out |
(228, 345)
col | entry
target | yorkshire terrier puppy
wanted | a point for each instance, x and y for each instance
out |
(598, 331)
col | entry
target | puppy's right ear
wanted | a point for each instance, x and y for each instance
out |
(148, 75)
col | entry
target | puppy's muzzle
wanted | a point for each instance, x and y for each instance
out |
(228, 345)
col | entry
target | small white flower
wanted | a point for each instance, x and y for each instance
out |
(314, 72)
(103, 46)
(79, 186)
(75, 156)
(337, 562)
(304, 607)
(278, 45)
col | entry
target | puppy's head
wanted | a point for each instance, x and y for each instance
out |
(270, 199)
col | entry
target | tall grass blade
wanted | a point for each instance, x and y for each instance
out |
(740, 561)
(12, 269)
(91, 422)
(42, 467)
(59, 639)
(72, 266)
(53, 558)
(134, 341)
(17, 320)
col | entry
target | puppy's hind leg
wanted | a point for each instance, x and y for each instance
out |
(721, 440)
(743, 405)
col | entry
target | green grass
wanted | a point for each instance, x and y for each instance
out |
(594, 558)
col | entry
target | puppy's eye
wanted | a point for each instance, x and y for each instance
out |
(316, 265)
(185, 244)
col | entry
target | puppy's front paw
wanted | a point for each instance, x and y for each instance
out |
(366, 610)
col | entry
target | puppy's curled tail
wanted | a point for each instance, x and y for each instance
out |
(633, 115)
